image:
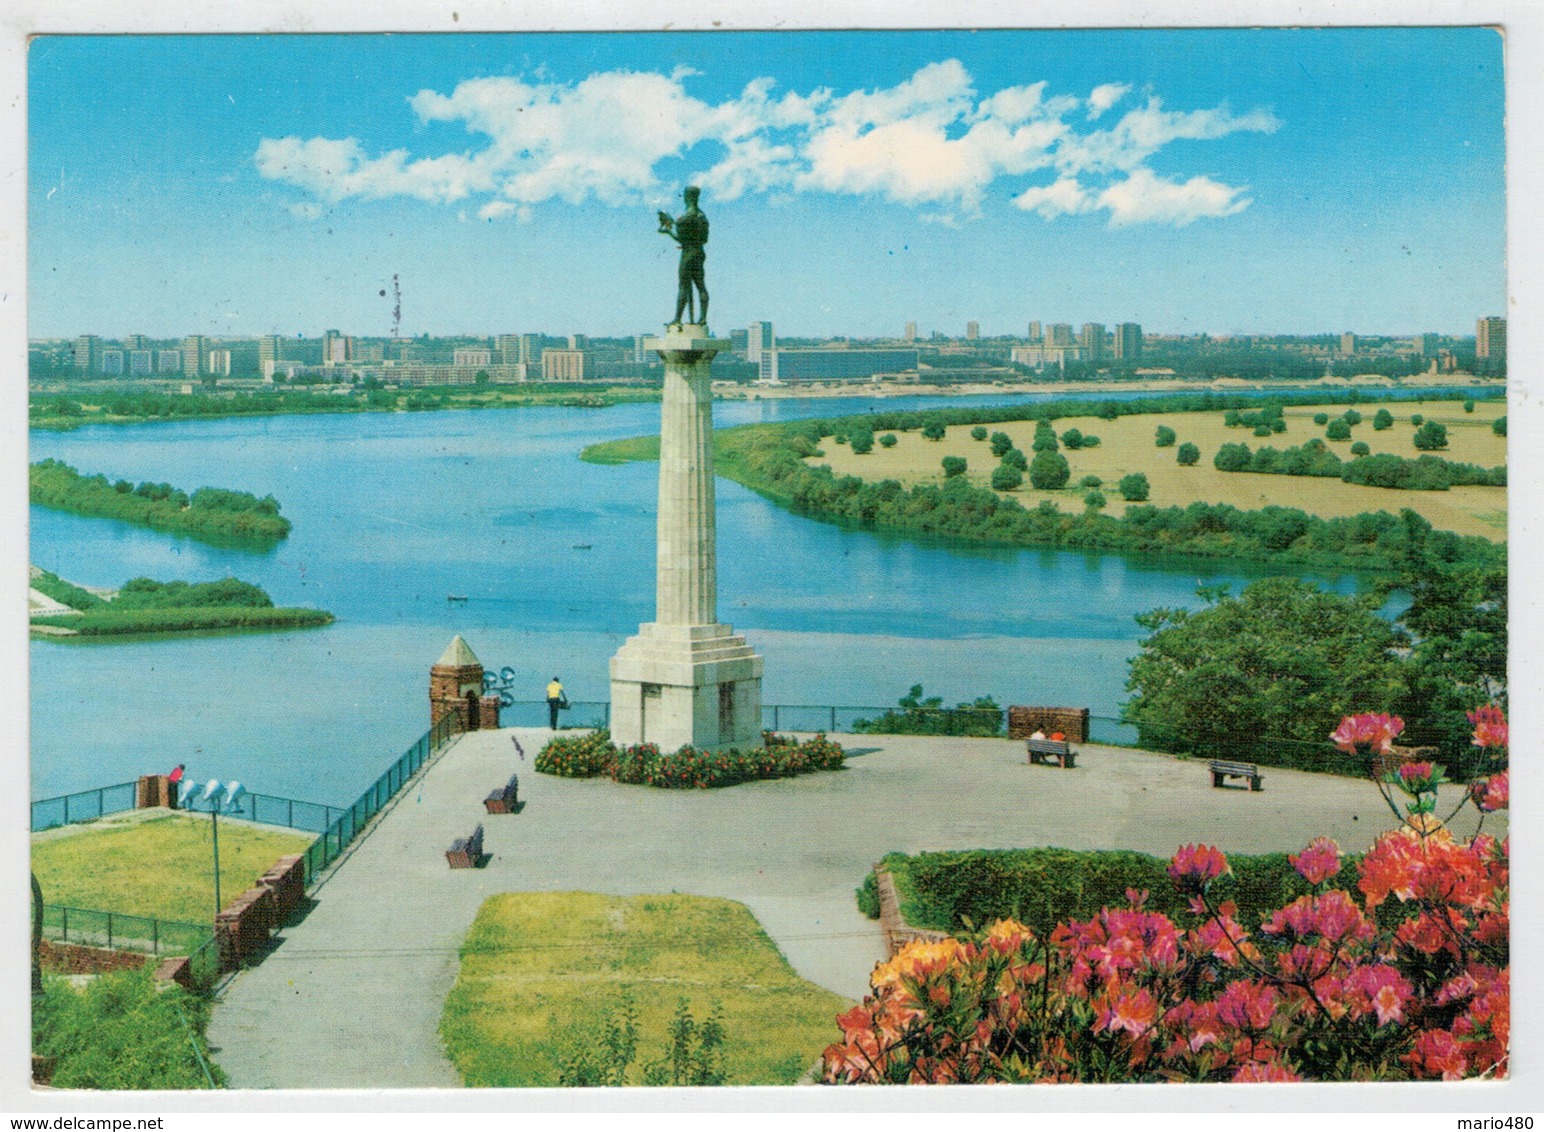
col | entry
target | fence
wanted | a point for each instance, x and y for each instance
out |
(88, 805)
(346, 826)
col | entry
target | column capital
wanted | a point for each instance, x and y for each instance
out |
(686, 342)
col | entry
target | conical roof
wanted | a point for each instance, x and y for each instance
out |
(458, 654)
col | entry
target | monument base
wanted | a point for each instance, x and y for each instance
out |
(673, 685)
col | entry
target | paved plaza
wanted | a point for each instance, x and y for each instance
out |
(350, 997)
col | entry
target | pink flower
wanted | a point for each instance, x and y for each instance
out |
(1436, 1054)
(1247, 1005)
(1417, 778)
(1264, 1071)
(1367, 734)
(1490, 727)
(1381, 989)
(1194, 867)
(1491, 794)
(1318, 862)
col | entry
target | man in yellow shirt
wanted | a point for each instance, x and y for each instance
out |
(555, 701)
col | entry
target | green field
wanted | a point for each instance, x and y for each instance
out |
(160, 866)
(1127, 445)
(542, 972)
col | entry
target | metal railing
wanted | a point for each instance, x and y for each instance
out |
(120, 931)
(342, 830)
(87, 805)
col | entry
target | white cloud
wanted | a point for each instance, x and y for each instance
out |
(1105, 96)
(1145, 198)
(306, 210)
(930, 142)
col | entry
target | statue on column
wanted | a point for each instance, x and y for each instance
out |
(690, 230)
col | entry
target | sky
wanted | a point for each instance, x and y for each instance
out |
(1226, 181)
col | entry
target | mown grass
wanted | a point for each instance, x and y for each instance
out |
(162, 866)
(540, 971)
(626, 450)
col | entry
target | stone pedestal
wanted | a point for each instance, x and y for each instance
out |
(686, 678)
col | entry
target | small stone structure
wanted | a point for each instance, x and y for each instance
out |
(686, 678)
(153, 790)
(898, 933)
(244, 925)
(78, 959)
(456, 690)
(1071, 722)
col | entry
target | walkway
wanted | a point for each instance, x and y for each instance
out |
(351, 996)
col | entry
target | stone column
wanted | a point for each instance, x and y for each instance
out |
(686, 678)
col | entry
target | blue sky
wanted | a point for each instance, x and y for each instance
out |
(1227, 181)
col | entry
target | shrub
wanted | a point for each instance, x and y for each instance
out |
(1382, 419)
(1431, 436)
(978, 433)
(1005, 477)
(1278, 424)
(862, 443)
(1134, 488)
(1188, 454)
(1001, 442)
(1469, 405)
(1045, 438)
(1351, 417)
(1321, 418)
(644, 764)
(1090, 481)
(1338, 430)
(1073, 439)
(1090, 440)
(1263, 430)
(1015, 459)
(1232, 458)
(1166, 436)
(1417, 419)
(1360, 448)
(933, 430)
(919, 716)
(954, 466)
(1498, 426)
(1049, 471)
(887, 440)
(1095, 501)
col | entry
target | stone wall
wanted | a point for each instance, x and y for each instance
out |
(488, 714)
(1071, 722)
(898, 933)
(244, 926)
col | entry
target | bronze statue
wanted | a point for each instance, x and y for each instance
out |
(690, 230)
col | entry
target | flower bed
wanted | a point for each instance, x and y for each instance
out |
(643, 764)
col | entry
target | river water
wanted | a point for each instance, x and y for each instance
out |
(393, 512)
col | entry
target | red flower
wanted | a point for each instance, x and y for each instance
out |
(1436, 1054)
(1491, 794)
(1194, 867)
(1367, 734)
(1265, 1071)
(1318, 862)
(1490, 727)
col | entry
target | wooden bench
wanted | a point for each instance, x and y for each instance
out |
(506, 799)
(466, 852)
(1222, 770)
(1049, 751)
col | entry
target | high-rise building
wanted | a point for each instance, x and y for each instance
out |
(1428, 344)
(472, 357)
(1347, 344)
(1061, 334)
(135, 342)
(268, 353)
(140, 363)
(565, 365)
(220, 363)
(1034, 332)
(112, 363)
(1091, 340)
(1128, 341)
(88, 353)
(1490, 337)
(738, 340)
(168, 361)
(759, 337)
(334, 348)
(972, 330)
(911, 332)
(193, 357)
(508, 347)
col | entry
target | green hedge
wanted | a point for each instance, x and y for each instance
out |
(951, 891)
(107, 621)
(643, 764)
(67, 592)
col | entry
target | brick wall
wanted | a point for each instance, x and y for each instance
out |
(448, 686)
(243, 926)
(1071, 722)
(287, 881)
(154, 790)
(77, 959)
(488, 714)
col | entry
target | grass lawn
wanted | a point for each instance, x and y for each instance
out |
(161, 866)
(1127, 445)
(539, 970)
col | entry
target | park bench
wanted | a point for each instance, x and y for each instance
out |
(506, 799)
(1222, 770)
(466, 852)
(1048, 751)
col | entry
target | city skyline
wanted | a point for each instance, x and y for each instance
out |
(508, 182)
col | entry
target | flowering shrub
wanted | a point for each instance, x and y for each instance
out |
(644, 764)
(1403, 973)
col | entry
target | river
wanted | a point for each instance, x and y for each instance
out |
(393, 512)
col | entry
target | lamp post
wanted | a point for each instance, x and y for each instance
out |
(213, 798)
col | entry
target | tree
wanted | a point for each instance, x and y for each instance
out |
(1321, 418)
(978, 433)
(1001, 442)
(862, 442)
(887, 440)
(1338, 429)
(1431, 436)
(1005, 477)
(1469, 405)
(954, 466)
(933, 430)
(1049, 471)
(1382, 419)
(1351, 417)
(1188, 454)
(1263, 429)
(1045, 438)
(1015, 458)
(1498, 426)
(1232, 458)
(1417, 419)
(1283, 660)
(1095, 501)
(482, 377)
(1166, 436)
(1090, 481)
(1073, 439)
(1360, 448)
(1134, 488)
